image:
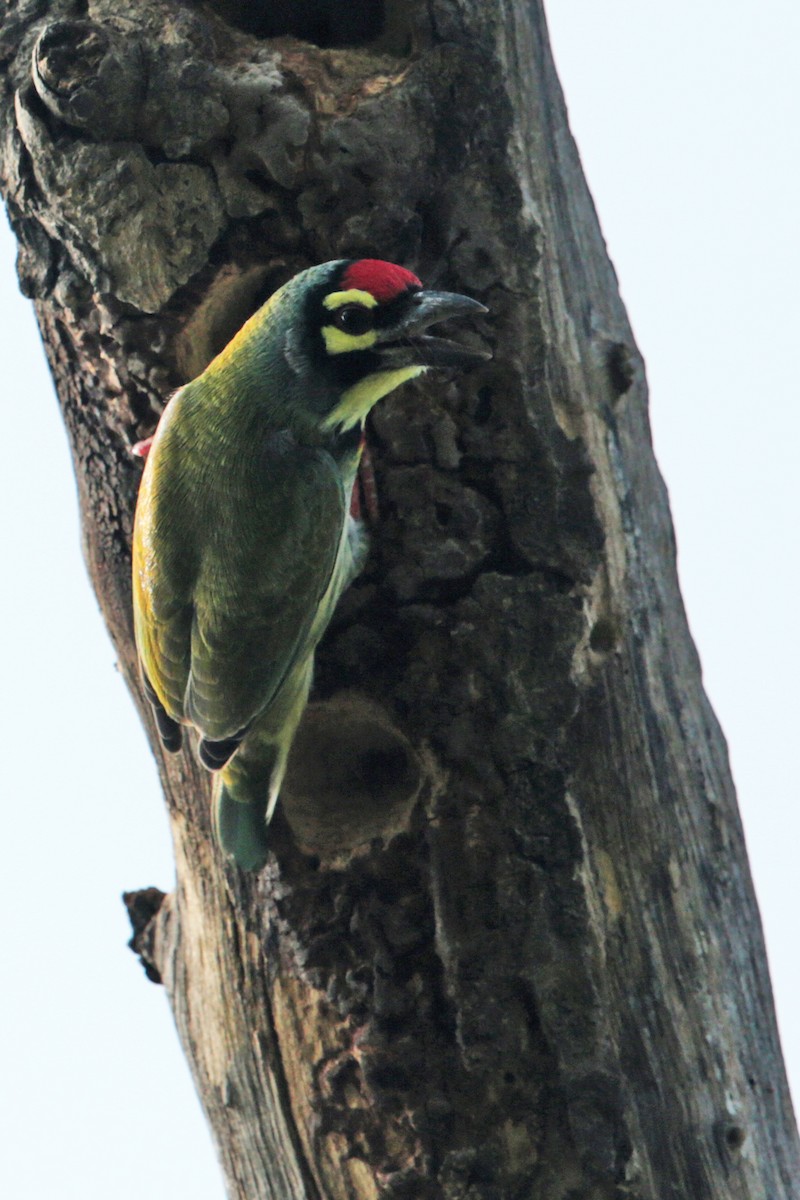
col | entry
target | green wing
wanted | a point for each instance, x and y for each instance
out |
(235, 572)
(267, 581)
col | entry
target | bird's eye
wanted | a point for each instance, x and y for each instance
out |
(354, 319)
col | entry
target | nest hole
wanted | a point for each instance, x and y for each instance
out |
(233, 296)
(352, 777)
(329, 24)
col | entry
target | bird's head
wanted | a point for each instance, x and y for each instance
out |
(351, 331)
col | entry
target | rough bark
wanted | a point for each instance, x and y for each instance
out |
(507, 944)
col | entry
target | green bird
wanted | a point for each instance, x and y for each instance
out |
(243, 538)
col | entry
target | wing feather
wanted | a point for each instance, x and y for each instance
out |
(264, 593)
(235, 576)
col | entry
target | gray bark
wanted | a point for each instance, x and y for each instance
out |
(507, 944)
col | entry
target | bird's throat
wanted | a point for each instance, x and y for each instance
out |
(357, 401)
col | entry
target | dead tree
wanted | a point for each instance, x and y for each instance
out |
(506, 945)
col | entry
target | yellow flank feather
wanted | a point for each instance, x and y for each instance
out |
(144, 569)
(337, 341)
(359, 399)
(143, 556)
(351, 296)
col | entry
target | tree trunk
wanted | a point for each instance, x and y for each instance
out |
(506, 945)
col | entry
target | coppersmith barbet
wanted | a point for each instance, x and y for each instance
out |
(243, 541)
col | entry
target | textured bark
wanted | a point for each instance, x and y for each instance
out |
(507, 944)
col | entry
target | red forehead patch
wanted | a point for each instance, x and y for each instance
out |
(383, 280)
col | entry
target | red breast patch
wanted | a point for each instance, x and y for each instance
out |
(383, 280)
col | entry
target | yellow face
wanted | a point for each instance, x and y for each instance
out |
(351, 324)
(351, 327)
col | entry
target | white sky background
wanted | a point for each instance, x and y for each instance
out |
(686, 116)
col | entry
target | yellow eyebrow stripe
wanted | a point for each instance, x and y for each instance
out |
(353, 296)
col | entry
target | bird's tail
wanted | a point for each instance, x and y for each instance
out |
(245, 792)
(240, 828)
(246, 789)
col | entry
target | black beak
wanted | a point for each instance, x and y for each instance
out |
(404, 343)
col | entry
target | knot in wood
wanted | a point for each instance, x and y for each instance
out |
(87, 77)
(68, 54)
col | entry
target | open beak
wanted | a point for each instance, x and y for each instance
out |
(404, 343)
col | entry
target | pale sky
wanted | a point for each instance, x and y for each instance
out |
(686, 116)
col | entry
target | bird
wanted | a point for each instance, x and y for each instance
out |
(243, 533)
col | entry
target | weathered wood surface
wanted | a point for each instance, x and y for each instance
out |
(507, 945)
